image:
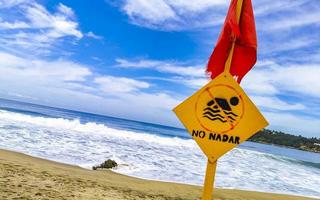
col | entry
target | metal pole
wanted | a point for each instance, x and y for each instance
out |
(209, 180)
(229, 59)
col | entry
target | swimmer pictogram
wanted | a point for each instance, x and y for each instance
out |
(221, 109)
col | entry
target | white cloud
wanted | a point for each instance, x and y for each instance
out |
(303, 79)
(13, 25)
(264, 7)
(26, 76)
(65, 10)
(169, 67)
(154, 11)
(188, 14)
(59, 24)
(269, 80)
(293, 124)
(300, 79)
(41, 70)
(195, 71)
(11, 3)
(34, 28)
(174, 14)
(313, 57)
(288, 44)
(260, 82)
(183, 6)
(111, 84)
(67, 84)
(266, 84)
(192, 76)
(90, 34)
(272, 102)
(9, 60)
(195, 83)
(21, 96)
(287, 22)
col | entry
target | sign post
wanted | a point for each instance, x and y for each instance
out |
(211, 167)
(209, 180)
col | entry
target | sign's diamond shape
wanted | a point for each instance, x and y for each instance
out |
(220, 116)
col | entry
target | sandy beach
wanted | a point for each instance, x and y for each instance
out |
(26, 177)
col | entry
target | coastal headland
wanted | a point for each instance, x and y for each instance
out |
(24, 177)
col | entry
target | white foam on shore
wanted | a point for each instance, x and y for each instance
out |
(151, 156)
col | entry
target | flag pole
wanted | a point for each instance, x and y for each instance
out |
(211, 166)
(228, 62)
(209, 180)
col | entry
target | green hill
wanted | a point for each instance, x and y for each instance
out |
(283, 139)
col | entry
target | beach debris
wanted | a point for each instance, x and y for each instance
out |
(108, 164)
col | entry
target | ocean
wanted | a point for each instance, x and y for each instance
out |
(152, 151)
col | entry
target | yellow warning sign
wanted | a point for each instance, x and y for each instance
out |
(220, 116)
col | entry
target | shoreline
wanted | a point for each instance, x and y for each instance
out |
(27, 177)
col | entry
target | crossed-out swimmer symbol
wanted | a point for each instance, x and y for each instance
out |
(219, 108)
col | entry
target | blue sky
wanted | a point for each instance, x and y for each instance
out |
(138, 59)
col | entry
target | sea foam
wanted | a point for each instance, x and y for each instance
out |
(151, 156)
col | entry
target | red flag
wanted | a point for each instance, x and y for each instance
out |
(245, 48)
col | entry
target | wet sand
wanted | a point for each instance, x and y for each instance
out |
(24, 177)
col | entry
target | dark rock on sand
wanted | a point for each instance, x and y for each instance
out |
(108, 164)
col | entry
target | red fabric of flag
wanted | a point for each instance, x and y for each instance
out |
(245, 49)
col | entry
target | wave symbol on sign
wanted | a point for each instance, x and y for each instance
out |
(220, 109)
